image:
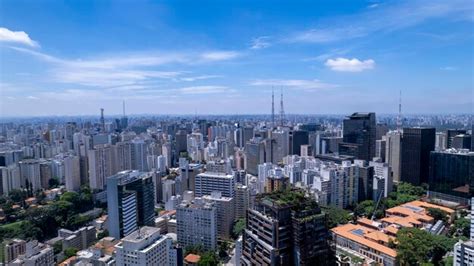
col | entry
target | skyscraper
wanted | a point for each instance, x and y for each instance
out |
(417, 143)
(452, 175)
(298, 138)
(393, 153)
(101, 165)
(359, 135)
(285, 228)
(130, 202)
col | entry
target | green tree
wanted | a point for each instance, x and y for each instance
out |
(18, 195)
(416, 246)
(208, 259)
(53, 183)
(461, 226)
(336, 216)
(238, 227)
(365, 208)
(69, 252)
(437, 214)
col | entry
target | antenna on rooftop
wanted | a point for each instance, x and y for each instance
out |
(273, 107)
(399, 117)
(282, 110)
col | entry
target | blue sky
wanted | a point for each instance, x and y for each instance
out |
(224, 57)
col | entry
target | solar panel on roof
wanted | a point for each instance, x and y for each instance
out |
(359, 232)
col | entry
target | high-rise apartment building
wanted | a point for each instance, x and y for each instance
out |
(285, 228)
(207, 182)
(102, 164)
(72, 173)
(225, 208)
(196, 224)
(242, 200)
(393, 153)
(130, 202)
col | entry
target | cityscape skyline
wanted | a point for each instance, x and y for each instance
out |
(327, 58)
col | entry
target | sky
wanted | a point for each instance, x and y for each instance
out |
(226, 57)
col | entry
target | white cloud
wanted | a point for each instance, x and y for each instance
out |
(32, 98)
(349, 65)
(128, 72)
(194, 78)
(303, 84)
(219, 55)
(260, 43)
(22, 37)
(385, 18)
(204, 90)
(449, 68)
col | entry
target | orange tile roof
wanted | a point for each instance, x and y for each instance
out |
(192, 258)
(367, 222)
(391, 229)
(427, 205)
(68, 261)
(378, 236)
(345, 231)
(401, 221)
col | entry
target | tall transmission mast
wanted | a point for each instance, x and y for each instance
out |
(102, 119)
(273, 107)
(399, 117)
(282, 110)
(123, 107)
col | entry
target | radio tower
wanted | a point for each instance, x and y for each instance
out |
(102, 120)
(123, 107)
(273, 108)
(282, 110)
(399, 117)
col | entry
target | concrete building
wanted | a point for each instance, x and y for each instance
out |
(10, 178)
(72, 173)
(102, 164)
(35, 254)
(393, 153)
(145, 247)
(207, 182)
(13, 249)
(225, 208)
(197, 224)
(80, 239)
(464, 251)
(242, 201)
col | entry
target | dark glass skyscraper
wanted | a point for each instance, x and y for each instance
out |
(130, 202)
(298, 138)
(452, 175)
(417, 143)
(359, 135)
